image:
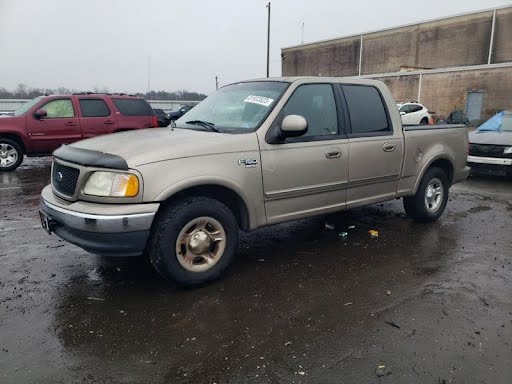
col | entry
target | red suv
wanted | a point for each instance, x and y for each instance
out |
(46, 122)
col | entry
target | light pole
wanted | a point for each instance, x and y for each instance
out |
(149, 74)
(268, 41)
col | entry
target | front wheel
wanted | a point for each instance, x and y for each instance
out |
(11, 155)
(193, 241)
(430, 200)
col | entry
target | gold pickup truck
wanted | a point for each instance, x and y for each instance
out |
(252, 154)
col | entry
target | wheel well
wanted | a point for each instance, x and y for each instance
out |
(223, 194)
(446, 166)
(14, 137)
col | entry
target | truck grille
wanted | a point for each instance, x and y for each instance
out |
(487, 150)
(64, 179)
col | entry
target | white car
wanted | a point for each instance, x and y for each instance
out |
(414, 114)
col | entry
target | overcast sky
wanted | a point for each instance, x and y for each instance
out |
(81, 44)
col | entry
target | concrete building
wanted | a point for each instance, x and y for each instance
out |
(461, 62)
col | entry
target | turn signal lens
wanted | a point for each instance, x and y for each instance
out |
(112, 184)
(125, 185)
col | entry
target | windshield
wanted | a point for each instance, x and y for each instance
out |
(238, 107)
(506, 123)
(25, 107)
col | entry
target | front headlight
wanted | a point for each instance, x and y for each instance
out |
(507, 151)
(112, 184)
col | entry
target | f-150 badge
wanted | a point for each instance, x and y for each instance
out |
(249, 163)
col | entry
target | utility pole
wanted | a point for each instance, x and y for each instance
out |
(216, 82)
(149, 73)
(302, 32)
(268, 41)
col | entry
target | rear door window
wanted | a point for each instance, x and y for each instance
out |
(133, 107)
(415, 108)
(94, 108)
(368, 116)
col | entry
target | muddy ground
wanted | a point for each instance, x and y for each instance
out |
(428, 303)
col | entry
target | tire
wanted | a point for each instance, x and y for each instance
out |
(11, 155)
(427, 205)
(424, 121)
(193, 241)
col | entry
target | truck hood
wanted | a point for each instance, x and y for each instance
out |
(145, 146)
(491, 137)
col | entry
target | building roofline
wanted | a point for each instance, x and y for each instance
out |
(435, 70)
(396, 27)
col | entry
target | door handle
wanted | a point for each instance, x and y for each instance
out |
(71, 124)
(388, 147)
(332, 153)
(109, 122)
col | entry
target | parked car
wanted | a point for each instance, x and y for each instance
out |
(163, 118)
(283, 150)
(175, 115)
(457, 117)
(414, 114)
(490, 146)
(45, 123)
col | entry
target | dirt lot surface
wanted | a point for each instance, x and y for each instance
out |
(425, 303)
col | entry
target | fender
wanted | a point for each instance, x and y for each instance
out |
(255, 219)
(440, 156)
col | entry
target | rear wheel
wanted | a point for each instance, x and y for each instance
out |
(424, 121)
(430, 200)
(11, 155)
(193, 241)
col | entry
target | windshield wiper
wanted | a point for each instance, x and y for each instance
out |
(205, 124)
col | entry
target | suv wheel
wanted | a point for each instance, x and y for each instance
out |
(11, 155)
(429, 202)
(193, 241)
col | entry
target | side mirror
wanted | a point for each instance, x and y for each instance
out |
(402, 113)
(40, 113)
(293, 126)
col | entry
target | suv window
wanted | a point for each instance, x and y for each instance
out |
(94, 108)
(59, 108)
(366, 110)
(415, 108)
(317, 104)
(133, 107)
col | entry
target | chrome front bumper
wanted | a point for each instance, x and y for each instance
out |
(98, 223)
(104, 229)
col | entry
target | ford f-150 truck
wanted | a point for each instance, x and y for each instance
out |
(45, 123)
(252, 154)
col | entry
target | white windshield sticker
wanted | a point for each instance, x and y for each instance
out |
(261, 100)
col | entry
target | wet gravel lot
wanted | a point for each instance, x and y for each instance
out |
(426, 303)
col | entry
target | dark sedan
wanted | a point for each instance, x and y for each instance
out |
(175, 115)
(163, 119)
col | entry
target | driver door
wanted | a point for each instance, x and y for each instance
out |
(60, 126)
(307, 175)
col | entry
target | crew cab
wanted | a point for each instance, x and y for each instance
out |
(45, 123)
(253, 154)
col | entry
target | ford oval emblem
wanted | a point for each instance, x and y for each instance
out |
(59, 176)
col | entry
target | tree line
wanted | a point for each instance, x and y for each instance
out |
(23, 91)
